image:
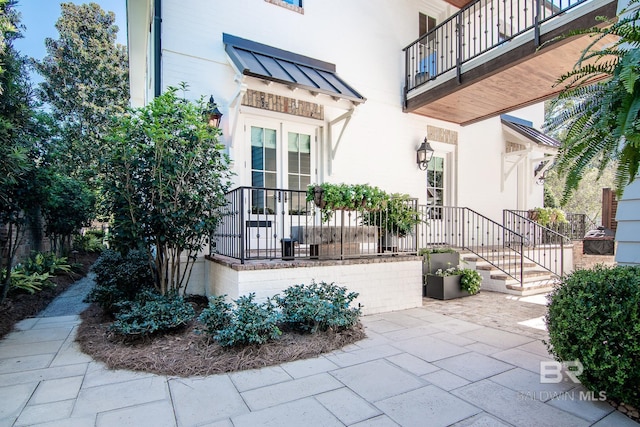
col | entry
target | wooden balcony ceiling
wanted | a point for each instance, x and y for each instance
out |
(518, 78)
(459, 3)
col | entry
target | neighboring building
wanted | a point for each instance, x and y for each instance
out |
(325, 91)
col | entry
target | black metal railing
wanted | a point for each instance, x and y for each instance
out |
(540, 244)
(465, 229)
(271, 223)
(575, 227)
(476, 29)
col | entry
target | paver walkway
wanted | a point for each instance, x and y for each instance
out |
(443, 364)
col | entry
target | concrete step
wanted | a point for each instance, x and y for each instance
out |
(534, 288)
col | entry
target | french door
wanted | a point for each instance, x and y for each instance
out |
(280, 166)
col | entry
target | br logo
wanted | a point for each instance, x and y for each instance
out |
(551, 372)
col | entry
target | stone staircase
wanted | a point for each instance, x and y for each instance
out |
(536, 279)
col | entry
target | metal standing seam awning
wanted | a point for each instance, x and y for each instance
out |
(525, 129)
(269, 63)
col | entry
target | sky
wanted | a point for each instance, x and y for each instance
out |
(40, 16)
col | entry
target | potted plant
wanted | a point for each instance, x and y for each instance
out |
(438, 259)
(397, 218)
(452, 282)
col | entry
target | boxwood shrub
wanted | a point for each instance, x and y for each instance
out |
(594, 317)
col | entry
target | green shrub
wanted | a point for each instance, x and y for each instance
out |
(470, 281)
(594, 317)
(151, 313)
(119, 278)
(249, 323)
(41, 263)
(318, 306)
(216, 316)
(88, 243)
(29, 282)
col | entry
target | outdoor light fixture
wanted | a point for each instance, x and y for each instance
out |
(214, 115)
(424, 154)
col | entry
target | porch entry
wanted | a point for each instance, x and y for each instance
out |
(282, 157)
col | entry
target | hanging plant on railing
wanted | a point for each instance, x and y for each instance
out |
(398, 217)
(548, 217)
(359, 197)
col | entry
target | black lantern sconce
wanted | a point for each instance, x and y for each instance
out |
(424, 154)
(213, 114)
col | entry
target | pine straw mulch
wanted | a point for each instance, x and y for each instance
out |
(186, 353)
(21, 305)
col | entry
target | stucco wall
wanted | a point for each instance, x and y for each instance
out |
(365, 41)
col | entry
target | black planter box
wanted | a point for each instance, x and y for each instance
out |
(436, 261)
(444, 288)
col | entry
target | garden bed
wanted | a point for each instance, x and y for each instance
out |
(187, 353)
(20, 305)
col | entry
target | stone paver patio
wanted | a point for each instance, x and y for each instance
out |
(469, 362)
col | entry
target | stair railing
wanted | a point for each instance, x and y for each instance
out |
(466, 229)
(541, 245)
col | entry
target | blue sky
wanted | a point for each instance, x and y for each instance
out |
(40, 16)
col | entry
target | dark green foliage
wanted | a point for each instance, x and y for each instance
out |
(250, 323)
(86, 84)
(68, 207)
(594, 317)
(165, 178)
(151, 313)
(88, 243)
(318, 306)
(216, 316)
(29, 282)
(39, 262)
(119, 278)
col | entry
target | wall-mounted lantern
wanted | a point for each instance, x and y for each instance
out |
(424, 154)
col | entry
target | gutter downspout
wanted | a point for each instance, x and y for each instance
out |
(157, 48)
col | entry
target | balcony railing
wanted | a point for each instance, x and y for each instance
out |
(476, 29)
(271, 223)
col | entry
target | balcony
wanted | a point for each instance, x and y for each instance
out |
(495, 56)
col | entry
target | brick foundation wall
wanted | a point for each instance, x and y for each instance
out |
(582, 261)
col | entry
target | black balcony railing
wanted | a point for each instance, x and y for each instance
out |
(477, 28)
(270, 223)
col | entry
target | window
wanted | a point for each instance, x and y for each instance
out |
(263, 168)
(435, 186)
(294, 5)
(425, 24)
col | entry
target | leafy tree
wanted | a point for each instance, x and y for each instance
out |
(16, 138)
(165, 178)
(6, 26)
(587, 198)
(85, 83)
(603, 123)
(67, 208)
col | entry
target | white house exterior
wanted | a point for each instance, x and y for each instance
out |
(357, 136)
